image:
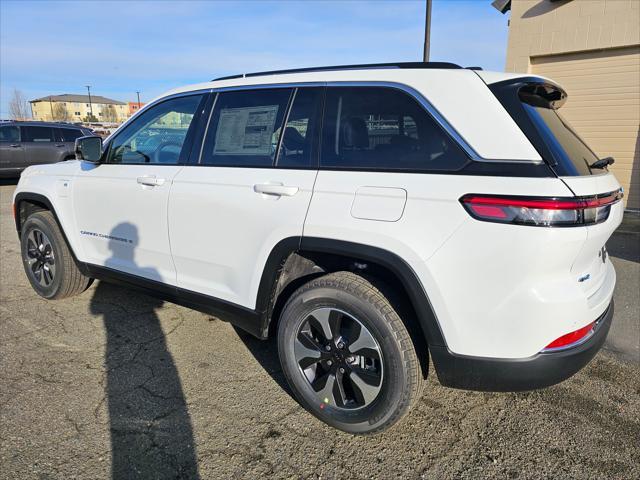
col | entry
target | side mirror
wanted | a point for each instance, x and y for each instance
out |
(89, 148)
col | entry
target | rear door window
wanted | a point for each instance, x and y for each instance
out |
(381, 128)
(245, 128)
(299, 139)
(37, 134)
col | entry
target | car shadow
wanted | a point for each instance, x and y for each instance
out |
(150, 426)
(266, 354)
(625, 246)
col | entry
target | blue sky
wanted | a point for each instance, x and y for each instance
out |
(119, 47)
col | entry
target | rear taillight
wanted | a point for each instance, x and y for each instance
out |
(572, 339)
(541, 211)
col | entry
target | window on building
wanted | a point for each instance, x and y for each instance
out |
(245, 128)
(384, 128)
(37, 134)
(297, 148)
(157, 135)
(9, 133)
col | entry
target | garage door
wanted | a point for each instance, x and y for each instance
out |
(603, 105)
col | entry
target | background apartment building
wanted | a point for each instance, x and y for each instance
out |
(592, 48)
(134, 107)
(78, 108)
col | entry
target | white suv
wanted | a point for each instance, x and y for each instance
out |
(366, 215)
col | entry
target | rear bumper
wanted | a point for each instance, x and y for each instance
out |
(511, 375)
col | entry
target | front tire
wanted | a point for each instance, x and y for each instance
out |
(47, 260)
(347, 355)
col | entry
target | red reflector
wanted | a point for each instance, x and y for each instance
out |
(572, 337)
(488, 211)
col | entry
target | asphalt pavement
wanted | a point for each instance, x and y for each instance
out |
(115, 384)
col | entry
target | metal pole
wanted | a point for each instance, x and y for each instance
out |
(138, 93)
(90, 104)
(51, 107)
(427, 32)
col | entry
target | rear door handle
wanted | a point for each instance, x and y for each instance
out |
(276, 189)
(150, 180)
(60, 145)
(15, 145)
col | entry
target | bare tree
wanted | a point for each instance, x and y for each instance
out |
(109, 114)
(18, 106)
(60, 113)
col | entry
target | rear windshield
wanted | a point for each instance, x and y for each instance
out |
(564, 143)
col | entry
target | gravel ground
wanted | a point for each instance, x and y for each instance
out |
(114, 384)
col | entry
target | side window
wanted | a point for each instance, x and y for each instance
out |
(297, 149)
(245, 128)
(70, 134)
(384, 128)
(37, 134)
(9, 134)
(156, 136)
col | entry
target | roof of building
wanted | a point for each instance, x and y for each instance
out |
(70, 97)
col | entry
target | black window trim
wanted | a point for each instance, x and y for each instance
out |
(478, 166)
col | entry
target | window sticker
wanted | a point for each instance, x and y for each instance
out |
(246, 130)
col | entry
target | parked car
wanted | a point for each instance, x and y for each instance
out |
(367, 216)
(32, 143)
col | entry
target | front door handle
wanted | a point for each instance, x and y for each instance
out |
(60, 145)
(150, 180)
(15, 145)
(276, 189)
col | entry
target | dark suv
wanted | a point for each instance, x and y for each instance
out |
(29, 143)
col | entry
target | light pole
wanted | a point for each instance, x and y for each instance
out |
(427, 32)
(138, 93)
(90, 104)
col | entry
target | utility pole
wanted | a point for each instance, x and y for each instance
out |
(138, 93)
(51, 107)
(90, 104)
(427, 33)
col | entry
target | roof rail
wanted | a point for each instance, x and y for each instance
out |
(364, 66)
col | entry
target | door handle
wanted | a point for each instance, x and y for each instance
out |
(60, 145)
(15, 145)
(276, 189)
(150, 180)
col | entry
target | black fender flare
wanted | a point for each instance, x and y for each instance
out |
(395, 264)
(43, 200)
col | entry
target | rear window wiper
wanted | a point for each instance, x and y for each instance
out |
(603, 162)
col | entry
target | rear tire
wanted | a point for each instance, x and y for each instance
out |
(347, 355)
(47, 260)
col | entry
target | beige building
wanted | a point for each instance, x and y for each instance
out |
(592, 49)
(77, 108)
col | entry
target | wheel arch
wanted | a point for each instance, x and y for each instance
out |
(296, 260)
(27, 203)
